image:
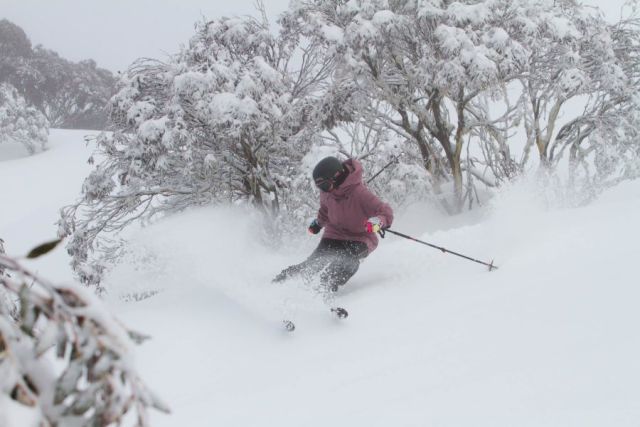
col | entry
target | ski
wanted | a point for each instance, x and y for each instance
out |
(340, 312)
(289, 325)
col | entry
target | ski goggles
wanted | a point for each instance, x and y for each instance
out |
(324, 184)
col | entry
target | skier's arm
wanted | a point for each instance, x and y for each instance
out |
(323, 214)
(374, 207)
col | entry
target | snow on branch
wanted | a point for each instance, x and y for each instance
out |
(64, 359)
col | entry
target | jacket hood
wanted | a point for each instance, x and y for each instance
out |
(353, 179)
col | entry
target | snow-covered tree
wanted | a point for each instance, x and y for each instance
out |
(69, 94)
(64, 360)
(222, 121)
(13, 41)
(604, 146)
(15, 54)
(463, 85)
(443, 75)
(580, 94)
(580, 57)
(426, 67)
(19, 122)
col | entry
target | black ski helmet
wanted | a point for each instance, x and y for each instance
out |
(328, 173)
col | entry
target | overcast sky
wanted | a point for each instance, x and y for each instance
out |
(116, 32)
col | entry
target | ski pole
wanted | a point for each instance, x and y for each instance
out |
(394, 160)
(444, 250)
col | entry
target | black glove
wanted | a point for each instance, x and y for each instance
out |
(314, 227)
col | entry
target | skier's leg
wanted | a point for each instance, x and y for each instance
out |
(344, 264)
(313, 264)
(339, 272)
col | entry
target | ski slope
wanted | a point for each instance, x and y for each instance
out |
(548, 339)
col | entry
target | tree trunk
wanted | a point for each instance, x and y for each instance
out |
(442, 134)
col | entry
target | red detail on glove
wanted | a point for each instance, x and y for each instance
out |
(314, 227)
(373, 225)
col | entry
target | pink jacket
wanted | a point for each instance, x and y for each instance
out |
(344, 211)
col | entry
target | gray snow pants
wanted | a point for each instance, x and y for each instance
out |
(335, 260)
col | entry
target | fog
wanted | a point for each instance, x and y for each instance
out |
(116, 32)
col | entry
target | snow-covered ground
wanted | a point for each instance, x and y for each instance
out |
(34, 188)
(548, 339)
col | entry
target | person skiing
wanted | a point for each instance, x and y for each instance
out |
(351, 215)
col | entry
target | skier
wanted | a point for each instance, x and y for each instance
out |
(351, 216)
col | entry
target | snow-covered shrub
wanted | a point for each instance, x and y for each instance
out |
(8, 305)
(223, 121)
(64, 360)
(21, 123)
